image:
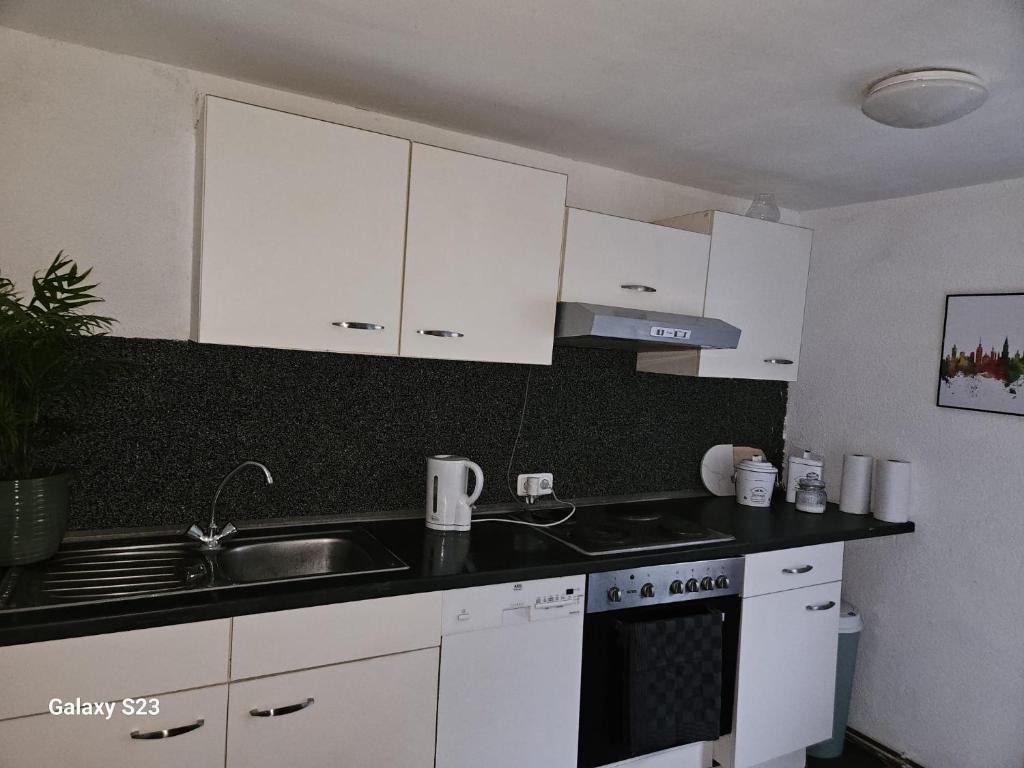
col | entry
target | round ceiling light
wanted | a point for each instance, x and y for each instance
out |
(924, 98)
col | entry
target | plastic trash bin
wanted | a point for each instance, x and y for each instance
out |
(850, 626)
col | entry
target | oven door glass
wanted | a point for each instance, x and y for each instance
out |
(604, 715)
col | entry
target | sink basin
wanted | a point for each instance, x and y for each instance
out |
(349, 552)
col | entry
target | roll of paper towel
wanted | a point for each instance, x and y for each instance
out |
(891, 494)
(855, 492)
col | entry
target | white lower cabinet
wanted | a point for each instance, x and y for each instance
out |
(375, 713)
(787, 673)
(188, 730)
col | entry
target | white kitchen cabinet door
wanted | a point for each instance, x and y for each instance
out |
(376, 713)
(757, 280)
(787, 673)
(624, 263)
(303, 231)
(482, 258)
(114, 665)
(193, 720)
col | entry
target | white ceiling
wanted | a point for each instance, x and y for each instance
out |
(735, 96)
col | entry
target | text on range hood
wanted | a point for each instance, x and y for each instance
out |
(595, 325)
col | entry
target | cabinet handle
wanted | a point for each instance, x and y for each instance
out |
(639, 288)
(801, 569)
(169, 732)
(277, 711)
(778, 361)
(358, 326)
(822, 606)
(442, 334)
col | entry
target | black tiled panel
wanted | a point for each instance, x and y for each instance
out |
(349, 433)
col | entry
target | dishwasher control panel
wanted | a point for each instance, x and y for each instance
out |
(495, 605)
(659, 584)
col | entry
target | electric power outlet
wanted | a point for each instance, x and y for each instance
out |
(547, 481)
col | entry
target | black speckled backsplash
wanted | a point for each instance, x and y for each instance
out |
(349, 433)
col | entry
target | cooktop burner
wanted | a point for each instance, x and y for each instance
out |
(633, 527)
(604, 534)
(638, 515)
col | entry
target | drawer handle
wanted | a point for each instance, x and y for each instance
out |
(442, 334)
(778, 361)
(822, 606)
(358, 326)
(278, 711)
(801, 569)
(169, 732)
(639, 288)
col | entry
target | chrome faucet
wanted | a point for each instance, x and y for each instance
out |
(213, 536)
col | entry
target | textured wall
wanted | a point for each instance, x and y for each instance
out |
(99, 159)
(941, 671)
(349, 433)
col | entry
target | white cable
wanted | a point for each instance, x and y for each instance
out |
(569, 504)
(519, 431)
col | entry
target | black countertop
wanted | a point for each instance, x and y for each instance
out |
(489, 554)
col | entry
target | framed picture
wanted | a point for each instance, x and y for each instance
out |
(982, 365)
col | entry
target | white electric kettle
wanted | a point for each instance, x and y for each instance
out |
(449, 508)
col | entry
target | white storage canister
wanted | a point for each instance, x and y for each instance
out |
(755, 481)
(806, 465)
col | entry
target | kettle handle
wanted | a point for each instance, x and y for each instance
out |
(479, 473)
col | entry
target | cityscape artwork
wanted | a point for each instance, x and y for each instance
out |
(982, 366)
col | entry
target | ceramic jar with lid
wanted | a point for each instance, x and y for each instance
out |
(755, 481)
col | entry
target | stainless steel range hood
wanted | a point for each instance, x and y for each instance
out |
(595, 325)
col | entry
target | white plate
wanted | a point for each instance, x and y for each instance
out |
(718, 467)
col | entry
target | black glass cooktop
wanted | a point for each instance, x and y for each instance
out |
(635, 527)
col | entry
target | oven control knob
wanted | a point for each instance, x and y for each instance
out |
(647, 590)
(615, 595)
(676, 587)
(722, 582)
(707, 584)
(692, 585)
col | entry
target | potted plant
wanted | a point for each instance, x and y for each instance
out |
(44, 371)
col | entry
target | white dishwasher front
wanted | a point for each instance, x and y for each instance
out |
(509, 688)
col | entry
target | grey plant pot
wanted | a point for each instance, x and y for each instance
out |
(33, 517)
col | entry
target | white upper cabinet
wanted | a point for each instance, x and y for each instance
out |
(757, 279)
(303, 231)
(624, 263)
(482, 258)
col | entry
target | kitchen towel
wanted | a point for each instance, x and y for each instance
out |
(891, 490)
(673, 680)
(855, 492)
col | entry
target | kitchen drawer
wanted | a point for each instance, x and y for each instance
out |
(766, 572)
(112, 666)
(268, 643)
(91, 741)
(374, 713)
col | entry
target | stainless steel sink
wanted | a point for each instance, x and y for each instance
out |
(294, 557)
(88, 571)
(83, 573)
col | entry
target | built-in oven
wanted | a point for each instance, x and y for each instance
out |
(659, 659)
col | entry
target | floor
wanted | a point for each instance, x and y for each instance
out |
(853, 757)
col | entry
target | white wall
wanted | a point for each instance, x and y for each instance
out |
(941, 670)
(99, 159)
